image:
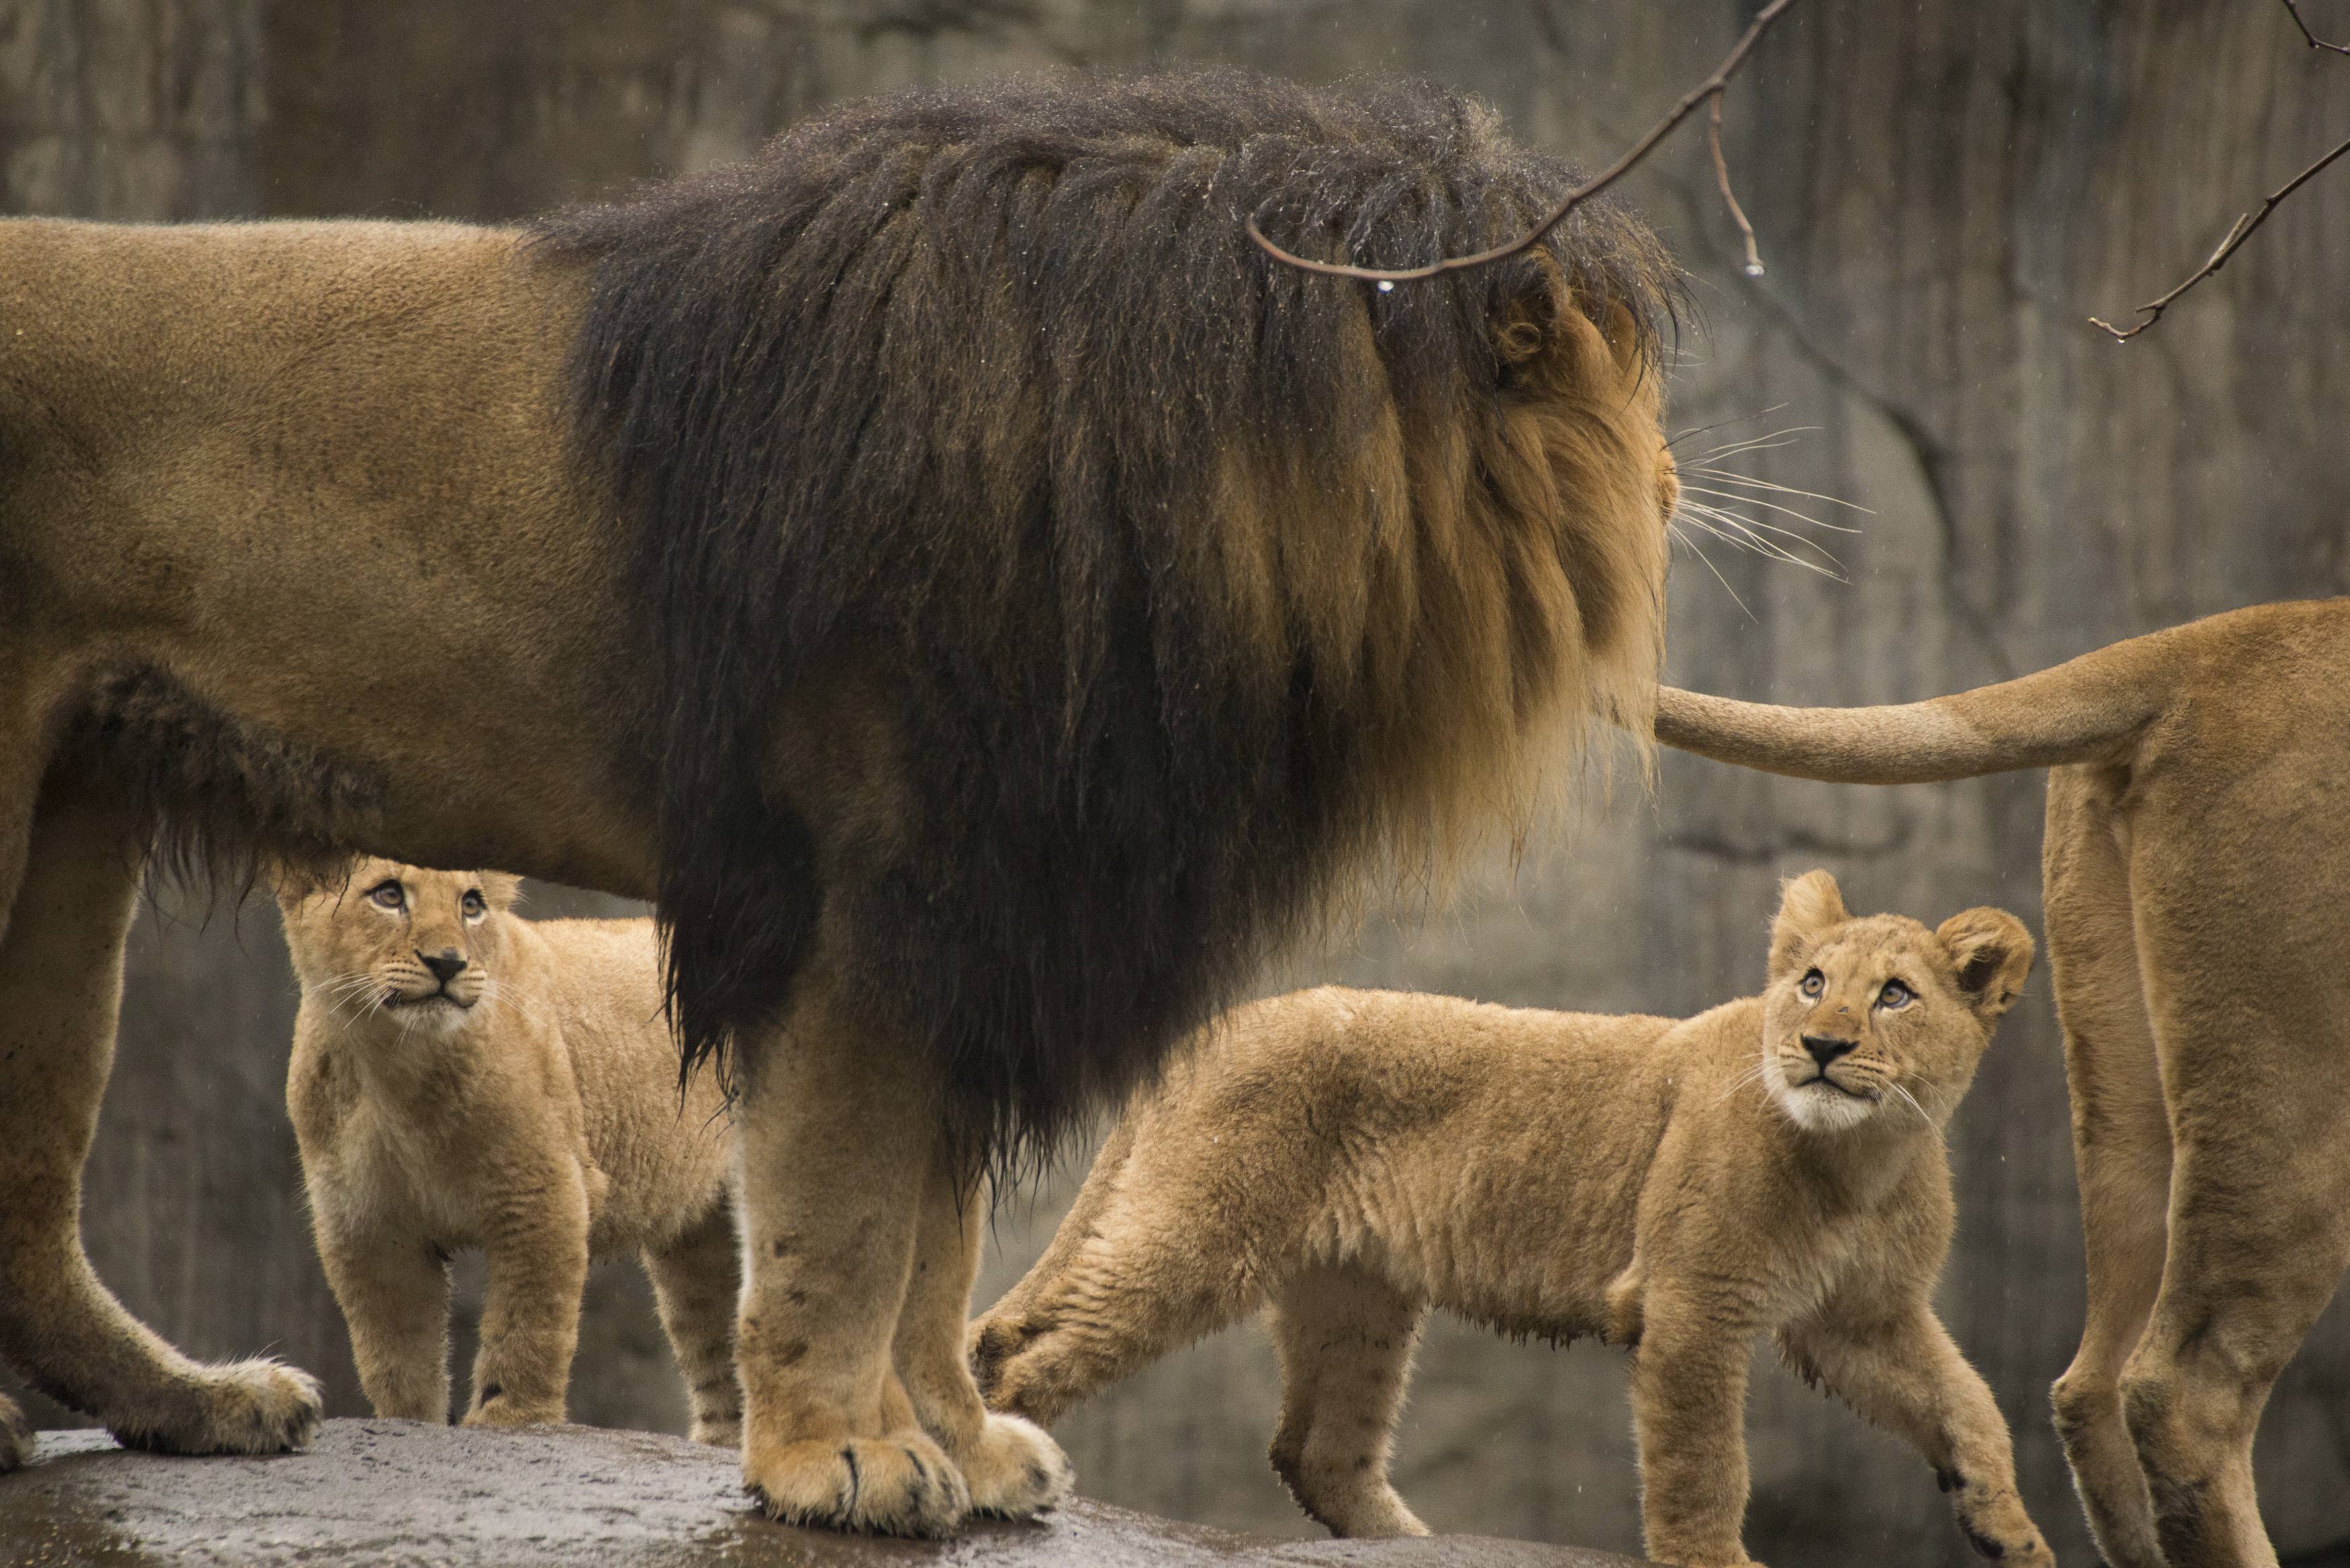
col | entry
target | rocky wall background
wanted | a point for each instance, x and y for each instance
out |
(1942, 191)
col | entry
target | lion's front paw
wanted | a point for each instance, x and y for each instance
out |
(259, 1407)
(15, 1437)
(1016, 1470)
(718, 1432)
(902, 1484)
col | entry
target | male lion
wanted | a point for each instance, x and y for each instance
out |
(985, 600)
(1352, 1158)
(2194, 866)
(464, 1077)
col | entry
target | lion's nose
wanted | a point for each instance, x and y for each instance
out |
(448, 964)
(1825, 1051)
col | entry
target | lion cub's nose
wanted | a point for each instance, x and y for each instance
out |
(1825, 1051)
(447, 966)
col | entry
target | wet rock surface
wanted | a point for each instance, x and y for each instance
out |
(404, 1493)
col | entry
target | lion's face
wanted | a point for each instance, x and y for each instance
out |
(416, 945)
(1880, 1017)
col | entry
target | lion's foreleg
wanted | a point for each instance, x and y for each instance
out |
(697, 1281)
(1012, 1467)
(1689, 1411)
(394, 1292)
(530, 1302)
(837, 1129)
(60, 990)
(1902, 1373)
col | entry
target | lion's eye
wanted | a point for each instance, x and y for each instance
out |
(1813, 982)
(474, 907)
(388, 896)
(1895, 994)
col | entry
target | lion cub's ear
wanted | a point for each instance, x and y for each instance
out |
(502, 888)
(1809, 906)
(1991, 952)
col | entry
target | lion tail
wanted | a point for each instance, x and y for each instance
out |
(2094, 707)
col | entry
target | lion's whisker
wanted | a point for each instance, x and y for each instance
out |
(1756, 527)
(1770, 442)
(1728, 477)
(1723, 424)
(1697, 550)
(1804, 517)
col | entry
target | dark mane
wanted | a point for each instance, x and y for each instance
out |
(984, 402)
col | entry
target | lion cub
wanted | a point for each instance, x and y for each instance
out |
(464, 1077)
(1349, 1159)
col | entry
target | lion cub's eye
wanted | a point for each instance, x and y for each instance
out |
(1895, 994)
(475, 907)
(388, 896)
(1813, 982)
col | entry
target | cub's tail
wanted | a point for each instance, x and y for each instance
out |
(2094, 707)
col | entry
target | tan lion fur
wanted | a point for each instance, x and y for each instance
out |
(1350, 1158)
(307, 549)
(527, 1105)
(2194, 864)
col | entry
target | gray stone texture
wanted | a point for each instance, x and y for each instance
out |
(1943, 192)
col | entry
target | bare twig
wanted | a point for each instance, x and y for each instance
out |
(2313, 40)
(1729, 198)
(2153, 309)
(1709, 88)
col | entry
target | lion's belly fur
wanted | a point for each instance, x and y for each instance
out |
(281, 495)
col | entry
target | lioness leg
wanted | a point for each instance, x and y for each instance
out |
(1012, 1467)
(838, 1126)
(1345, 1339)
(394, 1292)
(60, 987)
(697, 1281)
(2121, 1149)
(530, 1302)
(1902, 1373)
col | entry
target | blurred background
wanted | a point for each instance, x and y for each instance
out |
(1943, 191)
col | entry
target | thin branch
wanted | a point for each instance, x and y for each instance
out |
(1709, 88)
(2245, 225)
(1729, 198)
(2313, 40)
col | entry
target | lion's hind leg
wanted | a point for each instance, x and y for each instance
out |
(697, 1279)
(1346, 1338)
(60, 990)
(2121, 1150)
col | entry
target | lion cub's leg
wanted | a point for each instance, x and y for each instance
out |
(2121, 1149)
(1012, 1467)
(1689, 1414)
(1346, 1338)
(697, 1281)
(15, 1437)
(1901, 1372)
(60, 986)
(530, 1302)
(394, 1292)
(838, 1125)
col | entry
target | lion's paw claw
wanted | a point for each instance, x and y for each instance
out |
(903, 1484)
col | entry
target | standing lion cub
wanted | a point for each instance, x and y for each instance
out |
(1351, 1157)
(464, 1077)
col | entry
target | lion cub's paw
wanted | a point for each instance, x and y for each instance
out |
(1016, 1470)
(15, 1437)
(259, 1407)
(718, 1434)
(902, 1484)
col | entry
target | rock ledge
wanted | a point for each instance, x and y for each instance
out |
(400, 1492)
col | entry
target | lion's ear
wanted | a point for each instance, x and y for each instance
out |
(293, 881)
(502, 888)
(1991, 954)
(1809, 906)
